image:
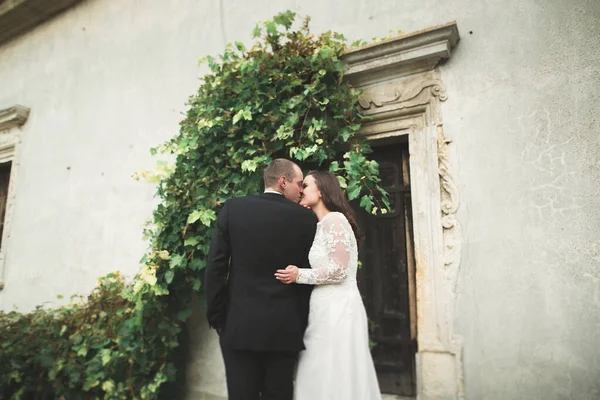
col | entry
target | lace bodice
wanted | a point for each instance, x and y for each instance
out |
(333, 256)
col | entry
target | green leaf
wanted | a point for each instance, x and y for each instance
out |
(285, 19)
(271, 28)
(184, 314)
(197, 263)
(240, 46)
(249, 165)
(301, 154)
(207, 216)
(177, 260)
(342, 182)
(106, 356)
(193, 217)
(325, 52)
(108, 386)
(196, 284)
(76, 338)
(366, 202)
(353, 190)
(238, 116)
(256, 32)
(82, 351)
(169, 276)
(284, 132)
(192, 241)
(373, 167)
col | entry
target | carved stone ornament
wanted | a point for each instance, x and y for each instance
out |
(450, 200)
(377, 97)
(13, 117)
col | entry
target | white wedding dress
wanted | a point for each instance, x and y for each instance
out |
(337, 362)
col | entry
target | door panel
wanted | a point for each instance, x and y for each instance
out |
(386, 278)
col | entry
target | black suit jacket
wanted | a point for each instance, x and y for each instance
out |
(253, 238)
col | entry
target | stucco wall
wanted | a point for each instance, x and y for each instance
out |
(107, 80)
(524, 111)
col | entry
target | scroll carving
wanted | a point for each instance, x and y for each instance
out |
(378, 96)
(450, 200)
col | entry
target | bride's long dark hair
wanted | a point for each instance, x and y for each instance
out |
(334, 199)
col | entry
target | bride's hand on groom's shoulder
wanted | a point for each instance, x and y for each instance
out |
(288, 275)
(303, 204)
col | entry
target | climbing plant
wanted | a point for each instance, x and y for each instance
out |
(283, 96)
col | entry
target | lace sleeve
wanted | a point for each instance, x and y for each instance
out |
(333, 266)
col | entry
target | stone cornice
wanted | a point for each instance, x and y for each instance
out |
(19, 16)
(400, 56)
(13, 117)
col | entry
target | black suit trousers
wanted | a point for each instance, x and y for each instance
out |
(259, 375)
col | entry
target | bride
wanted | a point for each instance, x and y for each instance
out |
(337, 363)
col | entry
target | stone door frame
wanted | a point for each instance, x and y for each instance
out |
(11, 121)
(402, 91)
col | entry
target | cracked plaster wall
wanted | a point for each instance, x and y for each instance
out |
(523, 111)
(107, 80)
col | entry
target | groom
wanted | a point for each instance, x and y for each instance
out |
(260, 320)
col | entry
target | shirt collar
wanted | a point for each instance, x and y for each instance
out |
(272, 191)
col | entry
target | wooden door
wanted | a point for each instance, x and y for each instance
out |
(4, 182)
(386, 278)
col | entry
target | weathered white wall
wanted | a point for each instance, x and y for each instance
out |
(524, 110)
(107, 80)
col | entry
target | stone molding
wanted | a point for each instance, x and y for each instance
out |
(400, 56)
(13, 117)
(11, 120)
(402, 91)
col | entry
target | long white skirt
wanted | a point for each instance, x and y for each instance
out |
(337, 362)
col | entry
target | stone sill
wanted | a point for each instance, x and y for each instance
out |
(20, 16)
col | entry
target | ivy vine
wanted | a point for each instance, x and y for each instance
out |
(282, 97)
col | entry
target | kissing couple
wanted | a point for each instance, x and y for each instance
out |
(282, 294)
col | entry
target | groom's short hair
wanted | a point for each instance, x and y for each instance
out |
(277, 168)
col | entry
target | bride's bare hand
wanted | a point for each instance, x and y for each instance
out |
(288, 275)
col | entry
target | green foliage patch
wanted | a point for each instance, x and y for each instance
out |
(282, 97)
